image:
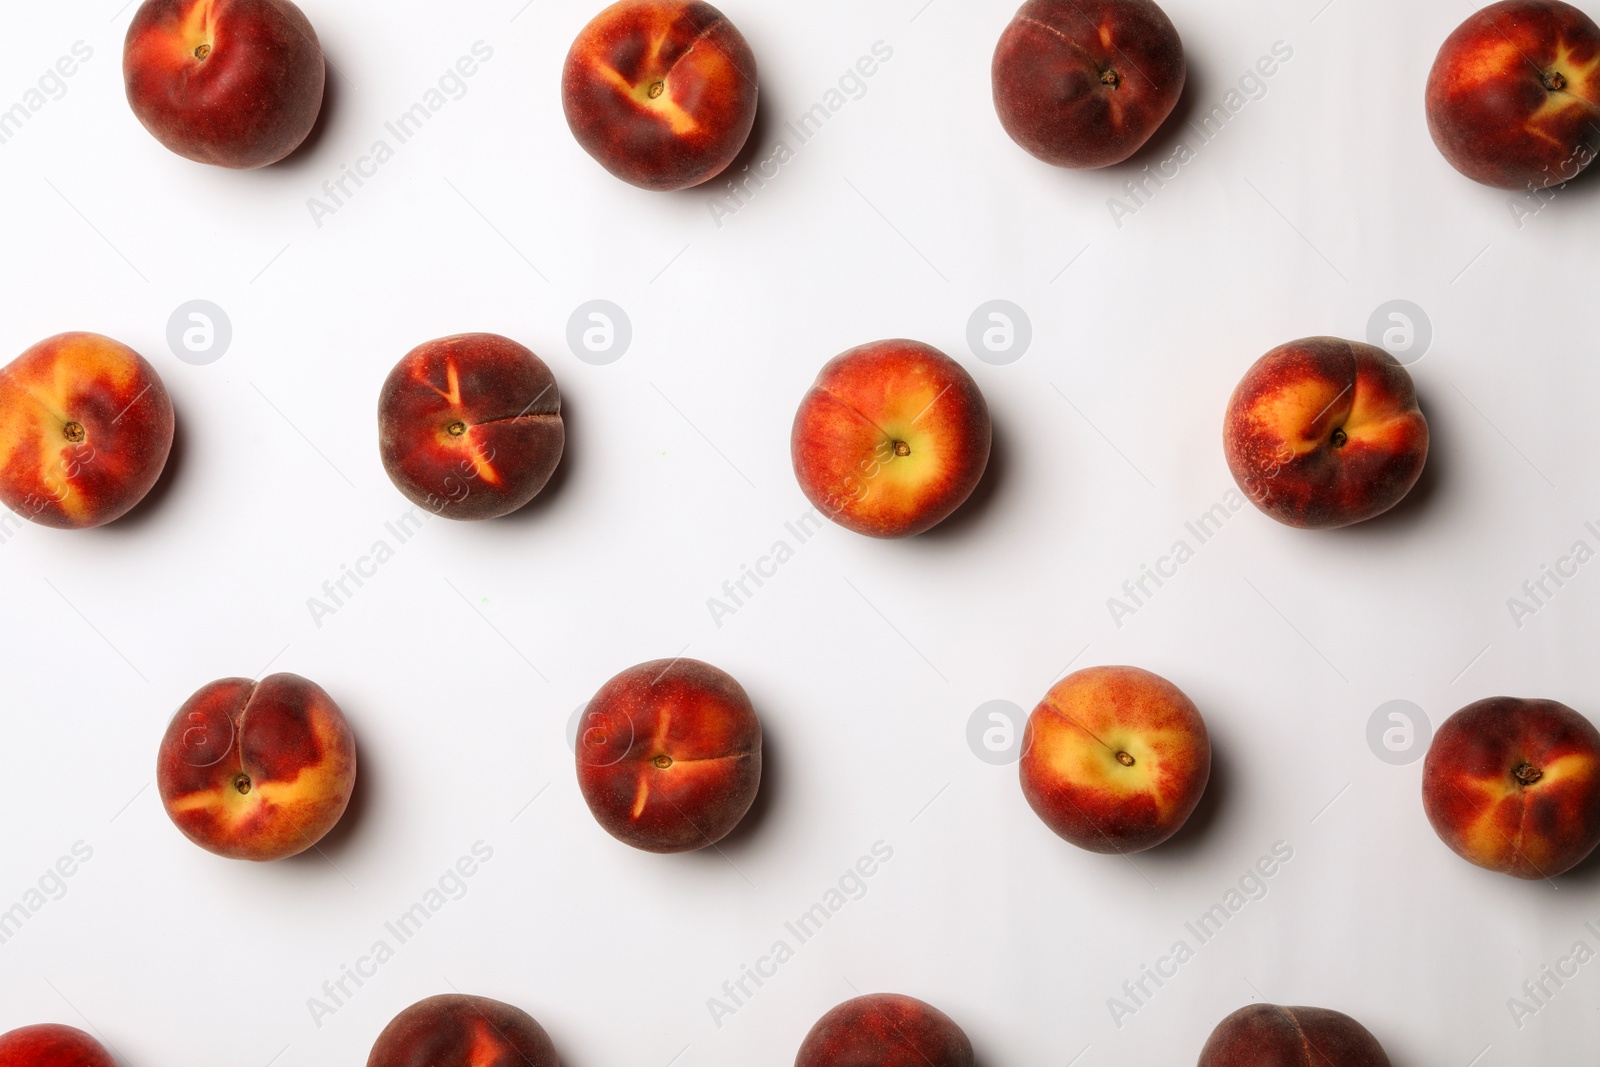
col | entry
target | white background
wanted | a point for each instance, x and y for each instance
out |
(460, 664)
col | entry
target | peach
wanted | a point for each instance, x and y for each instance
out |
(1115, 759)
(85, 430)
(885, 1030)
(1085, 83)
(470, 427)
(1514, 786)
(51, 1045)
(234, 83)
(662, 93)
(1323, 432)
(1266, 1035)
(257, 770)
(454, 1030)
(669, 755)
(1514, 96)
(892, 438)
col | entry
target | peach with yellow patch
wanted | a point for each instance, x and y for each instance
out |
(662, 93)
(1513, 786)
(891, 439)
(234, 83)
(470, 427)
(456, 1030)
(85, 430)
(669, 755)
(257, 770)
(1513, 98)
(1115, 759)
(1323, 432)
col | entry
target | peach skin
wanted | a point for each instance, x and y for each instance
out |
(85, 430)
(1513, 99)
(1514, 786)
(669, 755)
(1115, 759)
(662, 93)
(51, 1045)
(885, 1030)
(1322, 433)
(470, 427)
(1266, 1035)
(892, 438)
(454, 1030)
(257, 770)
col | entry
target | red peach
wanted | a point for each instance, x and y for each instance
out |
(662, 93)
(1115, 759)
(85, 430)
(892, 438)
(257, 770)
(51, 1045)
(1322, 433)
(1085, 83)
(669, 755)
(454, 1030)
(1266, 1035)
(235, 83)
(885, 1030)
(1514, 786)
(470, 426)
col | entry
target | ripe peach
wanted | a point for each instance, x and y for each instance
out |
(470, 427)
(1514, 95)
(1323, 432)
(1115, 759)
(891, 439)
(51, 1045)
(885, 1030)
(669, 755)
(462, 1031)
(235, 83)
(85, 430)
(662, 93)
(1514, 786)
(1085, 83)
(257, 770)
(1266, 1035)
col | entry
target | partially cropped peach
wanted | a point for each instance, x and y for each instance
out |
(662, 93)
(1513, 786)
(257, 770)
(1266, 1035)
(52, 1045)
(1514, 96)
(85, 430)
(669, 755)
(1323, 432)
(470, 427)
(1115, 759)
(235, 83)
(885, 1030)
(454, 1030)
(1085, 83)
(892, 438)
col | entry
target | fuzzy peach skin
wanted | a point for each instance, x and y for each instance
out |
(85, 430)
(470, 427)
(662, 93)
(257, 770)
(1514, 786)
(885, 1030)
(1085, 83)
(1513, 99)
(454, 1030)
(891, 439)
(1266, 1035)
(669, 755)
(234, 83)
(1323, 432)
(51, 1045)
(1115, 759)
